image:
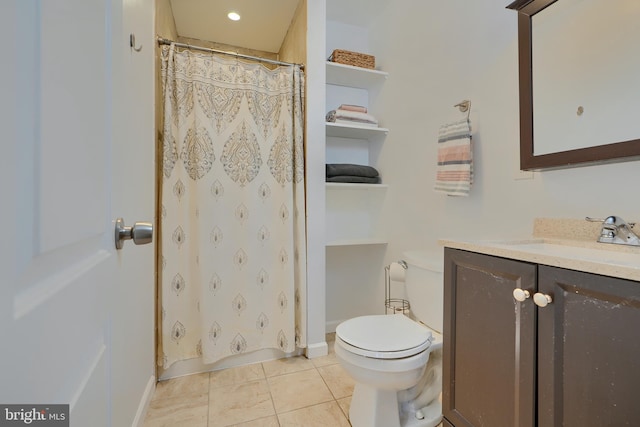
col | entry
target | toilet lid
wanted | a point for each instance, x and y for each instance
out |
(376, 335)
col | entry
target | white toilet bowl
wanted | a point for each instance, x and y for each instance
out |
(395, 361)
(384, 354)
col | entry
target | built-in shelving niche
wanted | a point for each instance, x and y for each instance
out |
(353, 210)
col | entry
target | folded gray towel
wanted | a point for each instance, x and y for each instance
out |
(354, 179)
(337, 169)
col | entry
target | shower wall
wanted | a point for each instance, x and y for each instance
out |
(228, 48)
(166, 28)
(294, 45)
(165, 25)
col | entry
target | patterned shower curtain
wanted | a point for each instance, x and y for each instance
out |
(232, 243)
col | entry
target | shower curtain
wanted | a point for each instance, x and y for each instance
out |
(232, 243)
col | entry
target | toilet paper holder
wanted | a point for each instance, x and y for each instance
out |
(394, 305)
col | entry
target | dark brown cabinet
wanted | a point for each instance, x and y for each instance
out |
(573, 363)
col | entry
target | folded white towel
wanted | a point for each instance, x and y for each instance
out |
(454, 172)
(334, 115)
(355, 123)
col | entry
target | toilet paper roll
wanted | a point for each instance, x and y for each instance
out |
(396, 272)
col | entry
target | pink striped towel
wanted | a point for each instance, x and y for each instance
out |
(454, 172)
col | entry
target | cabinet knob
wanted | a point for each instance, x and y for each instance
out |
(521, 294)
(542, 300)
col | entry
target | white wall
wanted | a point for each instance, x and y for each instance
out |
(314, 157)
(468, 50)
(438, 54)
(133, 323)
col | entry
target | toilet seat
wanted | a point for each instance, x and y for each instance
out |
(384, 336)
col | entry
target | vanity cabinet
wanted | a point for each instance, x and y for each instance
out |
(489, 342)
(574, 362)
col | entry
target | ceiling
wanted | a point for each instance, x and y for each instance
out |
(264, 23)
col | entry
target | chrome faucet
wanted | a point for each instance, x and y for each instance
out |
(616, 230)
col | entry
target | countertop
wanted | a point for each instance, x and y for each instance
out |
(620, 261)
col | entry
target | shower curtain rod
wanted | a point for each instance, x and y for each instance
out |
(162, 40)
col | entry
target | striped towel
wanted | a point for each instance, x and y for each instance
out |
(455, 159)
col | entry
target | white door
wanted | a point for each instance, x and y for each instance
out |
(65, 174)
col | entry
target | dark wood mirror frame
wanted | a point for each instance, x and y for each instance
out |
(617, 151)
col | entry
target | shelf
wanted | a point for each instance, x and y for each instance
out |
(356, 242)
(347, 75)
(357, 132)
(353, 209)
(353, 214)
(355, 186)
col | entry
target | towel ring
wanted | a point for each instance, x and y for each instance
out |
(464, 107)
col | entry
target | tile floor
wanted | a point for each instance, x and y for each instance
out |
(287, 392)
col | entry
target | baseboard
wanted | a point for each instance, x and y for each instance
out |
(332, 325)
(138, 421)
(317, 350)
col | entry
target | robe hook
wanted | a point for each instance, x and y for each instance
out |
(132, 43)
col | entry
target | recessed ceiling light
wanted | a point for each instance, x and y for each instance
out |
(233, 16)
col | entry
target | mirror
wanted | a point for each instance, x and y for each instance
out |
(579, 76)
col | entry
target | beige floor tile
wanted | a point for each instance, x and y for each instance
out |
(239, 403)
(329, 359)
(183, 386)
(338, 380)
(261, 422)
(286, 366)
(332, 345)
(297, 390)
(345, 404)
(189, 411)
(237, 375)
(322, 415)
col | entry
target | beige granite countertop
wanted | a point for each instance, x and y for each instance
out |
(562, 243)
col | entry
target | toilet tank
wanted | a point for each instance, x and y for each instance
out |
(425, 286)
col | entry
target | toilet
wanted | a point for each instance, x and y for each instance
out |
(396, 360)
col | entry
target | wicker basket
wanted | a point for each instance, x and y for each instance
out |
(353, 58)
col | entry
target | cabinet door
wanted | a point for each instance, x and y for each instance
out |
(489, 341)
(588, 350)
